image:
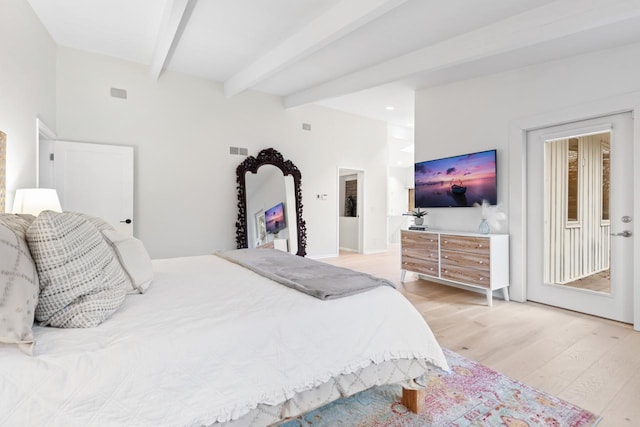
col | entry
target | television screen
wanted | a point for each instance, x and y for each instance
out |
(456, 181)
(274, 218)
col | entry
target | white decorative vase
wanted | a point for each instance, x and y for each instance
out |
(483, 228)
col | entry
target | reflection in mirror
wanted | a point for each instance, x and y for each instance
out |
(270, 204)
(269, 197)
(577, 227)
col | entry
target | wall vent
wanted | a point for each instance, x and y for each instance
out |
(118, 93)
(238, 151)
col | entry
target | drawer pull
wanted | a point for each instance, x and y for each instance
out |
(446, 257)
(431, 269)
(446, 241)
(480, 245)
(481, 279)
(480, 262)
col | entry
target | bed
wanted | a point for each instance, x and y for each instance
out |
(213, 343)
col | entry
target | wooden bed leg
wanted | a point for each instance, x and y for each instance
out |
(413, 400)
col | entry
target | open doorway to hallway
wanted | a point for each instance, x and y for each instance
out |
(350, 210)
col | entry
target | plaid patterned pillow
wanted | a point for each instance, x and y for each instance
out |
(81, 281)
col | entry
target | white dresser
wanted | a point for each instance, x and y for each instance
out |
(471, 259)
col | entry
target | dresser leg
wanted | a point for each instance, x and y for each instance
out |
(505, 293)
(404, 273)
(489, 297)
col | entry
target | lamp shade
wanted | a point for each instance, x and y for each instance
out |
(35, 200)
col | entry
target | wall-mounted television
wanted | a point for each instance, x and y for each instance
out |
(274, 218)
(456, 181)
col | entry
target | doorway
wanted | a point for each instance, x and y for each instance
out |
(350, 210)
(580, 197)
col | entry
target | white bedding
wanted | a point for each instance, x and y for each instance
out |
(206, 343)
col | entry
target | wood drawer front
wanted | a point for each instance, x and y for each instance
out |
(465, 243)
(421, 266)
(420, 242)
(431, 255)
(467, 275)
(478, 261)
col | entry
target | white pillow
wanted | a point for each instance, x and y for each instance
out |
(18, 285)
(133, 257)
(81, 281)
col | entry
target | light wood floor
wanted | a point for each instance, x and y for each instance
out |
(599, 282)
(591, 362)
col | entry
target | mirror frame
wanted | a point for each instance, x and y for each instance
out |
(268, 156)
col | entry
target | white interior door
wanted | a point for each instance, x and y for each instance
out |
(580, 198)
(95, 179)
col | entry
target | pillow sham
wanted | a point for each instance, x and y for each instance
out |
(18, 284)
(81, 281)
(133, 257)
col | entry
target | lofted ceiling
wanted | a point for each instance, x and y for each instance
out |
(360, 56)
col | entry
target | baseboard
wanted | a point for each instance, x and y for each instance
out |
(348, 249)
(321, 256)
(377, 251)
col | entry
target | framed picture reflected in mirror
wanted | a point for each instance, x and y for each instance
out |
(261, 228)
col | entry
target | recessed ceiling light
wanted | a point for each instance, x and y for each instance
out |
(390, 108)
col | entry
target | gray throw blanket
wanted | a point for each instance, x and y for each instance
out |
(314, 278)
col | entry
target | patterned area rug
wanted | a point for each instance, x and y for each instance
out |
(472, 395)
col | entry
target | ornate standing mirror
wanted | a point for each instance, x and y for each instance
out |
(3, 159)
(270, 204)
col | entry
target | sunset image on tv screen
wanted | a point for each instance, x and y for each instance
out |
(456, 181)
(275, 218)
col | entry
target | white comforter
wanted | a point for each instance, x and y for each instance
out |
(207, 342)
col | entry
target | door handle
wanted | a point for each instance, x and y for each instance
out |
(127, 221)
(625, 233)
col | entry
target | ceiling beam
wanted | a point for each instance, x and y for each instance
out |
(334, 24)
(543, 24)
(174, 13)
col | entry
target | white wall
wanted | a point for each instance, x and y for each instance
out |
(398, 190)
(27, 89)
(397, 201)
(181, 128)
(349, 233)
(477, 114)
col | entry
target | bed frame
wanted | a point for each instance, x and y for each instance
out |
(413, 400)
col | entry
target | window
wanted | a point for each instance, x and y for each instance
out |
(572, 179)
(606, 182)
